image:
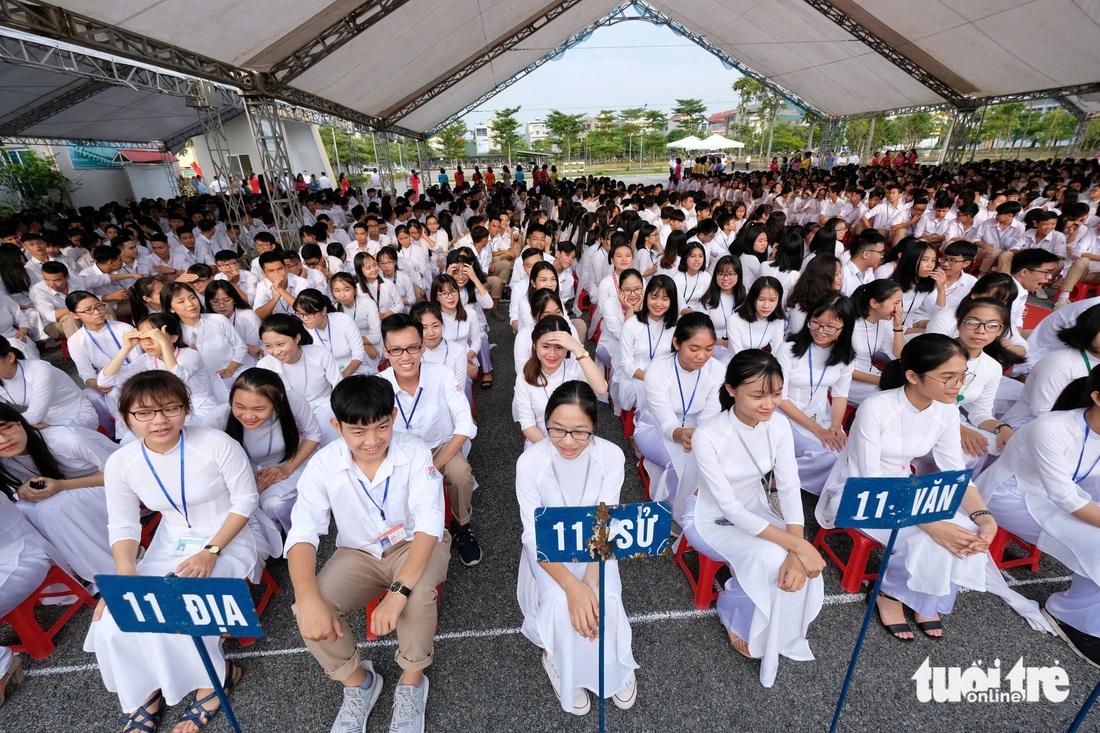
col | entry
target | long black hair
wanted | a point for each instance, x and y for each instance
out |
(747, 309)
(879, 290)
(996, 347)
(905, 273)
(268, 385)
(40, 454)
(746, 366)
(842, 351)
(743, 243)
(664, 284)
(1078, 393)
(713, 297)
(924, 353)
(815, 282)
(573, 392)
(1083, 331)
(13, 271)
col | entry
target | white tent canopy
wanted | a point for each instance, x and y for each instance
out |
(719, 142)
(409, 65)
(687, 143)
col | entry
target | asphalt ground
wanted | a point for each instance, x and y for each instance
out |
(486, 676)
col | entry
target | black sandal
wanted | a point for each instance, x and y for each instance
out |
(486, 383)
(202, 717)
(926, 626)
(142, 720)
(892, 629)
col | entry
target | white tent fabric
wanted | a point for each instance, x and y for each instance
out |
(719, 142)
(424, 60)
(687, 143)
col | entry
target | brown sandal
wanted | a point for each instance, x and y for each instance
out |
(739, 645)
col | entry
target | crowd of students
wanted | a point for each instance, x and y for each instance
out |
(252, 392)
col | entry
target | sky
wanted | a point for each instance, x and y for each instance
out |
(627, 65)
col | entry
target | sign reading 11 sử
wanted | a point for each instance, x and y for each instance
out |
(568, 534)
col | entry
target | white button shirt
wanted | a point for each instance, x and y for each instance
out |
(437, 410)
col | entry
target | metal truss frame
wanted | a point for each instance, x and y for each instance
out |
(53, 22)
(332, 39)
(385, 162)
(60, 142)
(964, 122)
(888, 52)
(828, 135)
(617, 15)
(217, 144)
(267, 131)
(1062, 95)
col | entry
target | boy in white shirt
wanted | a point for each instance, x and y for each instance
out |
(386, 496)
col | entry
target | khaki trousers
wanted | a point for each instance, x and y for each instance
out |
(352, 578)
(458, 480)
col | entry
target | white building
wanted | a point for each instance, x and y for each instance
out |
(536, 130)
(481, 138)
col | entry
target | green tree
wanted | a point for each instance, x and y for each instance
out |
(790, 137)
(914, 128)
(604, 144)
(504, 131)
(564, 129)
(349, 150)
(33, 179)
(753, 92)
(1003, 122)
(453, 141)
(1057, 125)
(695, 118)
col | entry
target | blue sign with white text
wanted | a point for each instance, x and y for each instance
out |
(567, 534)
(892, 503)
(190, 606)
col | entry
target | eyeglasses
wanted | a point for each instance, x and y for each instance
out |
(581, 436)
(447, 292)
(148, 415)
(879, 252)
(952, 260)
(303, 316)
(9, 427)
(632, 291)
(823, 329)
(953, 382)
(101, 308)
(975, 325)
(398, 351)
(1044, 272)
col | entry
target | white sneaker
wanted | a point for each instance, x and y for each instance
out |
(1041, 294)
(581, 702)
(358, 703)
(409, 703)
(1061, 303)
(625, 698)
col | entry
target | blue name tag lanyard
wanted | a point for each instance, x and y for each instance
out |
(825, 368)
(107, 327)
(412, 413)
(1081, 457)
(385, 495)
(679, 384)
(183, 484)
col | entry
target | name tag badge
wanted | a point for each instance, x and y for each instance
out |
(813, 416)
(392, 536)
(187, 546)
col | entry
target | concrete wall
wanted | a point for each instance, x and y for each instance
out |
(303, 145)
(96, 186)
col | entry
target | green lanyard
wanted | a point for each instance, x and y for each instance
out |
(1088, 364)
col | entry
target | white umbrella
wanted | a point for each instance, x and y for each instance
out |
(688, 143)
(720, 142)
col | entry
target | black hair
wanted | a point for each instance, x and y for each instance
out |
(539, 298)
(842, 351)
(153, 387)
(6, 349)
(1083, 331)
(691, 324)
(399, 322)
(824, 241)
(312, 300)
(269, 385)
(224, 287)
(541, 267)
(37, 449)
(999, 285)
(532, 370)
(880, 290)
(713, 297)
(573, 392)
(743, 243)
(924, 353)
(137, 293)
(961, 248)
(905, 273)
(168, 323)
(688, 248)
(996, 347)
(1027, 259)
(748, 365)
(73, 299)
(13, 272)
(815, 282)
(437, 284)
(747, 309)
(362, 400)
(168, 293)
(285, 324)
(665, 284)
(420, 308)
(867, 238)
(1076, 395)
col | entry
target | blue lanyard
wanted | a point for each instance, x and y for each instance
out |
(183, 484)
(1081, 457)
(698, 376)
(652, 348)
(326, 344)
(385, 495)
(113, 338)
(11, 399)
(412, 413)
(813, 389)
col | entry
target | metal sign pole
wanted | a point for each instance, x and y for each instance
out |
(1084, 712)
(216, 682)
(602, 701)
(871, 602)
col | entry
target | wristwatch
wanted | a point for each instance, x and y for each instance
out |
(399, 587)
(997, 430)
(583, 355)
(213, 550)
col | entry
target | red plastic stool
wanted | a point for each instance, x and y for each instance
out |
(644, 475)
(627, 416)
(702, 586)
(1082, 291)
(270, 589)
(148, 528)
(378, 599)
(854, 571)
(584, 303)
(38, 642)
(1001, 542)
